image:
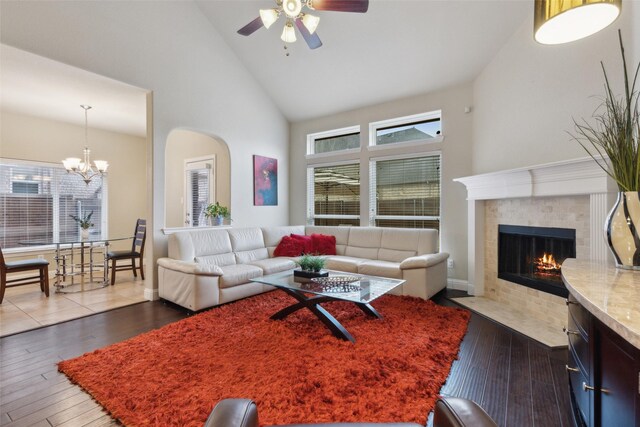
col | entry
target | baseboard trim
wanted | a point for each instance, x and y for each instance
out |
(151, 294)
(457, 284)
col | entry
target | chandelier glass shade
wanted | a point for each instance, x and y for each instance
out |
(268, 16)
(288, 33)
(564, 21)
(83, 166)
(311, 22)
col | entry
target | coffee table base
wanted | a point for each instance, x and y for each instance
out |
(313, 304)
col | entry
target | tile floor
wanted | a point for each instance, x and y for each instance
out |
(548, 334)
(26, 307)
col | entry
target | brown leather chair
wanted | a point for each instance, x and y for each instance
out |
(136, 252)
(449, 412)
(24, 265)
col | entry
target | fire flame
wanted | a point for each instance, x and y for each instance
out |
(547, 262)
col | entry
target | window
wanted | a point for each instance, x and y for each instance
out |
(405, 192)
(339, 140)
(416, 128)
(334, 194)
(37, 199)
(199, 189)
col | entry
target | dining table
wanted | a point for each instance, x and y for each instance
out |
(82, 264)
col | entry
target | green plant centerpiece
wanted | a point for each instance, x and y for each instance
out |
(612, 141)
(218, 212)
(84, 221)
(310, 266)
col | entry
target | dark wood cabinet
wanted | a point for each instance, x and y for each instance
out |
(604, 372)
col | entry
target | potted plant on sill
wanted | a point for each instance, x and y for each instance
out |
(310, 266)
(84, 221)
(218, 212)
(612, 141)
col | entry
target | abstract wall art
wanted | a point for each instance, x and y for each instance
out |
(265, 181)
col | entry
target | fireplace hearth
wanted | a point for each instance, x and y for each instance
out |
(532, 256)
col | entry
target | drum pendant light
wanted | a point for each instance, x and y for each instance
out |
(563, 21)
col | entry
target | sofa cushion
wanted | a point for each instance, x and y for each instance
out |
(401, 239)
(324, 244)
(245, 257)
(246, 239)
(343, 263)
(380, 268)
(289, 246)
(274, 265)
(365, 237)
(238, 274)
(220, 260)
(364, 242)
(394, 255)
(188, 245)
(307, 243)
(357, 252)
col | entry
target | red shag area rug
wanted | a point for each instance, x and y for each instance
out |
(295, 369)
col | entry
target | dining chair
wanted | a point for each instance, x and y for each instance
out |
(136, 252)
(41, 265)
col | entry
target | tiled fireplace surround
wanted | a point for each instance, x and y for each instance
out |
(571, 194)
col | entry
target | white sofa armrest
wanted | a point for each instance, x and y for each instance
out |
(190, 267)
(423, 261)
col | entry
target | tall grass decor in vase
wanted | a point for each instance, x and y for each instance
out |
(612, 141)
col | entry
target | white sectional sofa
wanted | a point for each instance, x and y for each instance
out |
(209, 267)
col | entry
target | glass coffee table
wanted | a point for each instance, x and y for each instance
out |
(311, 294)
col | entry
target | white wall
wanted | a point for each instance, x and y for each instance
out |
(635, 29)
(527, 95)
(456, 158)
(198, 83)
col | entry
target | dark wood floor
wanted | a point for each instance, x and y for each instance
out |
(519, 382)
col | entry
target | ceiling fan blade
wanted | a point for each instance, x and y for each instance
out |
(359, 6)
(312, 39)
(251, 27)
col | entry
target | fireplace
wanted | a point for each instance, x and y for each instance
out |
(532, 256)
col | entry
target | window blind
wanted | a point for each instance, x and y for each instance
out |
(37, 201)
(405, 192)
(199, 182)
(334, 195)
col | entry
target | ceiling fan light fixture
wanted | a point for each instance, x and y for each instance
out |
(288, 33)
(268, 16)
(558, 21)
(292, 8)
(311, 22)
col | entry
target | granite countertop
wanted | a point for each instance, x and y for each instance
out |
(610, 294)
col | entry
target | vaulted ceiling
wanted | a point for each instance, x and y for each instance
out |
(397, 49)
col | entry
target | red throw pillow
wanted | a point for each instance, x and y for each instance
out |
(289, 247)
(324, 244)
(307, 242)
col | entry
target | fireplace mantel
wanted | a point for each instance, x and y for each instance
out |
(565, 178)
(570, 177)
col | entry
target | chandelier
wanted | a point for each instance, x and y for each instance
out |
(83, 167)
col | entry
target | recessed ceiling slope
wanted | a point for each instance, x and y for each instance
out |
(397, 49)
(37, 86)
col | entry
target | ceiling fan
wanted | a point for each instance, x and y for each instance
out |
(305, 22)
